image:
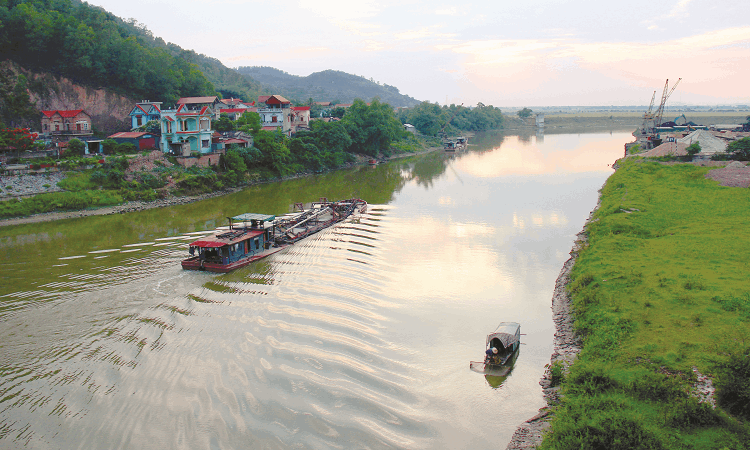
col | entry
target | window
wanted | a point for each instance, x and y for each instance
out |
(274, 119)
(205, 143)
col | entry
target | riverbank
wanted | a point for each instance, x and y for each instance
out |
(566, 347)
(36, 184)
(657, 281)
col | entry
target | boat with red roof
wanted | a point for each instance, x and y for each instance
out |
(252, 236)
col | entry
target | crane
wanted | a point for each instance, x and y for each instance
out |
(648, 118)
(664, 96)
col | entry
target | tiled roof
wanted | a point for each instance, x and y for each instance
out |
(300, 108)
(193, 100)
(233, 110)
(128, 135)
(277, 98)
(64, 113)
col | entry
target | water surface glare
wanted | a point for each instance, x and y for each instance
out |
(357, 337)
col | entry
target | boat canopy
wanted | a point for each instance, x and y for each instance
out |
(247, 217)
(507, 333)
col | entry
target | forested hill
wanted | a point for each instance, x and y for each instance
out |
(328, 85)
(94, 48)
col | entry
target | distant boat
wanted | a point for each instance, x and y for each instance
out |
(254, 236)
(506, 339)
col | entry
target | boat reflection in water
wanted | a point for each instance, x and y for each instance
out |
(496, 375)
(503, 346)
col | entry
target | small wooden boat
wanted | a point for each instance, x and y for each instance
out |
(254, 236)
(506, 339)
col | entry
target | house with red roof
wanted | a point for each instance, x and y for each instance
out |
(66, 123)
(276, 114)
(143, 112)
(185, 130)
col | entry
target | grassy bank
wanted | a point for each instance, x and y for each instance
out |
(661, 288)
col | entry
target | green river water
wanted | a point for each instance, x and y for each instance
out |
(357, 337)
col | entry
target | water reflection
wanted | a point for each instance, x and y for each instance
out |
(361, 333)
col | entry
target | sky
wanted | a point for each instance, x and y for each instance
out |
(501, 53)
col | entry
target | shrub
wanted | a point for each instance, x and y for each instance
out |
(733, 383)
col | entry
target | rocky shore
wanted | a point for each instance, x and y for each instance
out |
(529, 435)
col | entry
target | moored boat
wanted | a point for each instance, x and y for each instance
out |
(252, 236)
(502, 347)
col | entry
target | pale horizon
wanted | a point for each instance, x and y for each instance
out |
(534, 54)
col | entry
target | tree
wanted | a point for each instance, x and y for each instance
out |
(372, 128)
(249, 122)
(75, 148)
(109, 146)
(223, 124)
(524, 113)
(151, 127)
(740, 149)
(338, 112)
(693, 149)
(16, 139)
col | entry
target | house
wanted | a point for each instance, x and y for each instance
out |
(324, 104)
(410, 128)
(141, 140)
(300, 118)
(66, 123)
(212, 102)
(232, 103)
(262, 100)
(276, 113)
(144, 112)
(185, 130)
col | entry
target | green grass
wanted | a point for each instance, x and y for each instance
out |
(661, 287)
(58, 201)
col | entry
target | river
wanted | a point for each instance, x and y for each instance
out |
(357, 337)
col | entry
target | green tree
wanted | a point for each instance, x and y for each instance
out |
(740, 149)
(693, 149)
(75, 148)
(224, 124)
(338, 112)
(109, 146)
(249, 122)
(428, 118)
(274, 152)
(151, 127)
(372, 128)
(524, 113)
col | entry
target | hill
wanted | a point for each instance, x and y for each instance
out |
(328, 85)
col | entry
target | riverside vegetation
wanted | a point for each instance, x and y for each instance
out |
(659, 289)
(365, 129)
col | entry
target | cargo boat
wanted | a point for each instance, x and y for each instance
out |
(252, 236)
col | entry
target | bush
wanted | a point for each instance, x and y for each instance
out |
(733, 383)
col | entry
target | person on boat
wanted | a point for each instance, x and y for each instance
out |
(491, 354)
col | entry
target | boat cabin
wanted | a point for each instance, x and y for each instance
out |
(506, 338)
(248, 234)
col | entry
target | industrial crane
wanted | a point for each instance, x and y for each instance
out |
(653, 120)
(648, 118)
(664, 97)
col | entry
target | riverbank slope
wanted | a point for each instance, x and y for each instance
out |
(659, 293)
